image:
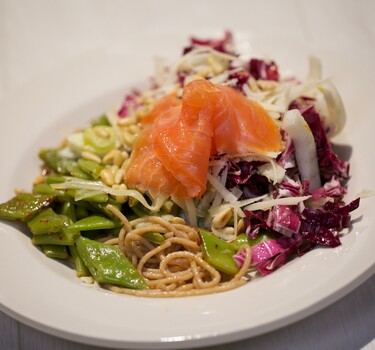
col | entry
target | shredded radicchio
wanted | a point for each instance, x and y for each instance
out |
(329, 163)
(299, 231)
(264, 70)
(129, 104)
(245, 176)
(223, 45)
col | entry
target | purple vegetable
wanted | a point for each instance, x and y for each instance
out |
(284, 220)
(130, 104)
(329, 163)
(273, 253)
(289, 188)
(322, 226)
(240, 78)
(287, 159)
(222, 45)
(264, 70)
(244, 175)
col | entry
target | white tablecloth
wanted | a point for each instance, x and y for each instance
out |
(37, 36)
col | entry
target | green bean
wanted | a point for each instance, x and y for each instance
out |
(242, 239)
(102, 207)
(90, 167)
(81, 269)
(47, 222)
(154, 237)
(108, 264)
(94, 222)
(138, 211)
(24, 206)
(75, 170)
(62, 238)
(81, 210)
(218, 253)
(46, 189)
(53, 179)
(55, 251)
(62, 165)
(68, 209)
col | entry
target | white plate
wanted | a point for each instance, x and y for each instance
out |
(46, 295)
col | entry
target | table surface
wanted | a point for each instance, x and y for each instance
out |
(37, 36)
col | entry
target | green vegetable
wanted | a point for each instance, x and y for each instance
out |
(101, 120)
(139, 212)
(62, 165)
(54, 179)
(218, 253)
(102, 207)
(98, 198)
(55, 251)
(81, 269)
(47, 222)
(61, 238)
(108, 264)
(243, 239)
(24, 206)
(74, 170)
(154, 237)
(101, 138)
(90, 167)
(53, 160)
(94, 222)
(48, 190)
(68, 209)
(81, 211)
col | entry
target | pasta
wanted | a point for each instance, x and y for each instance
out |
(176, 268)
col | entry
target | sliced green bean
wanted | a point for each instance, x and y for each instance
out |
(55, 251)
(108, 264)
(47, 222)
(80, 266)
(154, 237)
(90, 167)
(76, 171)
(48, 190)
(24, 206)
(69, 210)
(54, 179)
(94, 222)
(81, 210)
(61, 238)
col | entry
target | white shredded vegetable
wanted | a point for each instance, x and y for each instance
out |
(268, 204)
(305, 149)
(81, 184)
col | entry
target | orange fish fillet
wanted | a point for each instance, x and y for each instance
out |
(171, 156)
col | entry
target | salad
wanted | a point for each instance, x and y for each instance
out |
(221, 171)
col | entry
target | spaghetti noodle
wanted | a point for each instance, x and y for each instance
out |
(175, 268)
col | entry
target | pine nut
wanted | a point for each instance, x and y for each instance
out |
(91, 156)
(240, 226)
(119, 176)
(107, 176)
(222, 218)
(120, 199)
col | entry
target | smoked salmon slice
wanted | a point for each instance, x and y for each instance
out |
(172, 154)
(146, 172)
(183, 142)
(163, 106)
(242, 126)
